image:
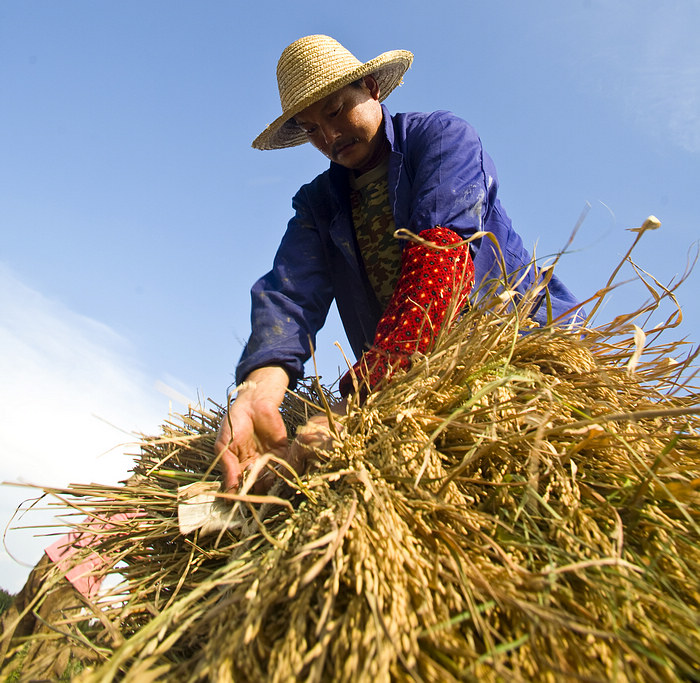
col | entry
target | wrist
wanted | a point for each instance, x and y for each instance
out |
(246, 385)
(264, 384)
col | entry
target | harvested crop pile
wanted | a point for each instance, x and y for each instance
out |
(515, 507)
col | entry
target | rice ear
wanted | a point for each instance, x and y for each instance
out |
(522, 504)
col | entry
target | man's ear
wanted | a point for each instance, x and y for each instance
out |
(372, 86)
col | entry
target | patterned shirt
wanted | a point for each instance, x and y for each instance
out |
(374, 228)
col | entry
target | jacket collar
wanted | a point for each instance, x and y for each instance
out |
(388, 127)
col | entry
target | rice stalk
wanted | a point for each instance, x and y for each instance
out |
(522, 504)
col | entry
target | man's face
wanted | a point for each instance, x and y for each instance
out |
(346, 126)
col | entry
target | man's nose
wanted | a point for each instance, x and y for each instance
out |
(329, 132)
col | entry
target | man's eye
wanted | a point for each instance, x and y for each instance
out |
(335, 113)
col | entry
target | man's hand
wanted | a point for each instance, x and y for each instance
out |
(253, 426)
(317, 433)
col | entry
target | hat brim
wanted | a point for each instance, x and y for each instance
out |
(388, 69)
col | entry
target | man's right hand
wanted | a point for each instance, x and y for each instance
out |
(253, 426)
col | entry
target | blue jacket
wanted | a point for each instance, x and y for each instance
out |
(438, 174)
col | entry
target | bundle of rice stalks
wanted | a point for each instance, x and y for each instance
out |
(520, 505)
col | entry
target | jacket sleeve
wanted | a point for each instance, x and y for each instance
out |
(453, 182)
(291, 302)
(454, 185)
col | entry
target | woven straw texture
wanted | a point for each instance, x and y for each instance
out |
(316, 66)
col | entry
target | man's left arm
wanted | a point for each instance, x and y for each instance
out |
(455, 186)
(454, 183)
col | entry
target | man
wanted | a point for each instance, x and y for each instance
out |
(425, 172)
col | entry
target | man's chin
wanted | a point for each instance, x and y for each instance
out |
(347, 156)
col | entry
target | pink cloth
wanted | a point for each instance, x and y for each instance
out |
(85, 576)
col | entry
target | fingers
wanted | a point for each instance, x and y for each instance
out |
(248, 431)
(232, 471)
(317, 434)
(228, 460)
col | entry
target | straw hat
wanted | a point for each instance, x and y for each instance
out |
(315, 66)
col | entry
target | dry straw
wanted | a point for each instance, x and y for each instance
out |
(315, 66)
(518, 506)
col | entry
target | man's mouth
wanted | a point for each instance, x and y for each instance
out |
(342, 147)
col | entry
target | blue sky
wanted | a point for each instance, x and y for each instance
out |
(134, 214)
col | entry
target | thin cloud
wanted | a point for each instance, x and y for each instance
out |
(647, 63)
(662, 95)
(663, 89)
(677, 93)
(73, 394)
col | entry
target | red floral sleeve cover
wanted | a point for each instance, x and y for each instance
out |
(431, 279)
